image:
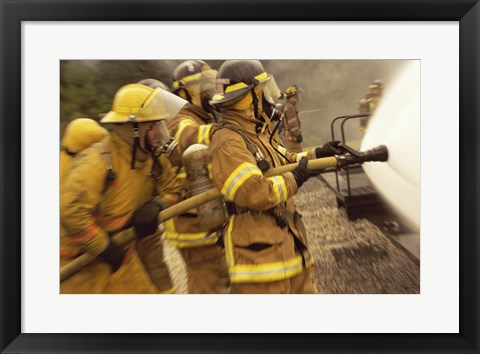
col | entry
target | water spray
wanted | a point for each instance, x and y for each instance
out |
(396, 123)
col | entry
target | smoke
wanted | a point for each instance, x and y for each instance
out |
(332, 86)
(335, 87)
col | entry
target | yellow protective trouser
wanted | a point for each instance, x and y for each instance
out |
(298, 284)
(207, 270)
(97, 278)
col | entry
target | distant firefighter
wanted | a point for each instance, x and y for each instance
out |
(291, 122)
(369, 103)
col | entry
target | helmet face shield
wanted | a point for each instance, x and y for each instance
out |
(270, 88)
(158, 106)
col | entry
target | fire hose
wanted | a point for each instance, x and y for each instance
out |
(350, 157)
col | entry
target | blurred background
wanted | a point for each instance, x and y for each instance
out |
(331, 88)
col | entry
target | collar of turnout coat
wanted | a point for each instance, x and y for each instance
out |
(189, 109)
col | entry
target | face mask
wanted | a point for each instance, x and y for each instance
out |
(156, 136)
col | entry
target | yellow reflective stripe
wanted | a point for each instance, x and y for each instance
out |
(178, 239)
(242, 85)
(266, 272)
(210, 174)
(229, 244)
(204, 134)
(301, 154)
(186, 79)
(262, 76)
(280, 188)
(283, 151)
(235, 87)
(183, 124)
(182, 174)
(190, 244)
(237, 177)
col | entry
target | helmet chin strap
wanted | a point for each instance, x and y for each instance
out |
(188, 97)
(255, 104)
(136, 144)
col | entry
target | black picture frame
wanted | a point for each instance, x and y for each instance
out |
(467, 12)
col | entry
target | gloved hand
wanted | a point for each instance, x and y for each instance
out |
(113, 255)
(145, 218)
(328, 149)
(301, 173)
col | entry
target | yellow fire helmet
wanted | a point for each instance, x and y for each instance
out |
(292, 91)
(376, 86)
(80, 133)
(135, 103)
(236, 78)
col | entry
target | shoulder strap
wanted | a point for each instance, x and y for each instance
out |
(111, 175)
(251, 146)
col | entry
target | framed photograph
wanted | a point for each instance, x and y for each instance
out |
(45, 46)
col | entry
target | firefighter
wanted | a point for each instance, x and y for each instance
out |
(196, 234)
(291, 122)
(370, 102)
(265, 246)
(79, 134)
(114, 185)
